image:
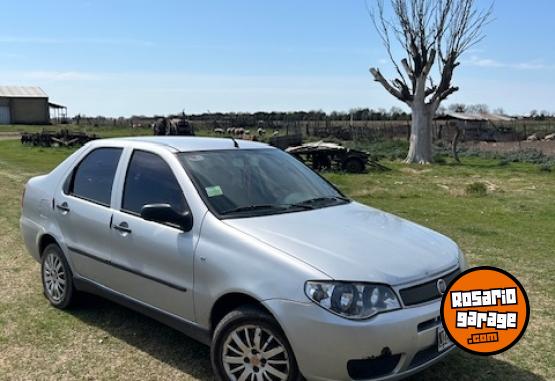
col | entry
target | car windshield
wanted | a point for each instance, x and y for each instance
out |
(243, 182)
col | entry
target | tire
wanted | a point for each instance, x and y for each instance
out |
(57, 278)
(249, 355)
(353, 165)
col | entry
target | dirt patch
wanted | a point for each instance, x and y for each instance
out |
(547, 147)
(413, 171)
(9, 135)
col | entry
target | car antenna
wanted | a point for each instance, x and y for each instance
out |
(235, 144)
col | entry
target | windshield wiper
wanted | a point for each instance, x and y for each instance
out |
(322, 199)
(256, 207)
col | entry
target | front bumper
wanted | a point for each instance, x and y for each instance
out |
(324, 343)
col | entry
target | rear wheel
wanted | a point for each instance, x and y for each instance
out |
(248, 344)
(57, 279)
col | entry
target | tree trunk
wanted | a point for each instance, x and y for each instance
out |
(455, 143)
(420, 149)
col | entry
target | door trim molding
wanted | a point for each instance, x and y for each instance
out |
(187, 327)
(127, 269)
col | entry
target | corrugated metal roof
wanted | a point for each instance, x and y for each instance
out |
(56, 105)
(474, 117)
(22, 92)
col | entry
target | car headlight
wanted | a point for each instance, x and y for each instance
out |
(352, 300)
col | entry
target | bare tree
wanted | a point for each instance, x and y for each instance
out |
(478, 108)
(430, 32)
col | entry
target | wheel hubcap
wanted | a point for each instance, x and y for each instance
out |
(54, 277)
(252, 353)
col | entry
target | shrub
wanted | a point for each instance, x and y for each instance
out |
(477, 189)
(439, 159)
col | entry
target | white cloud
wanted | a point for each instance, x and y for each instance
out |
(10, 55)
(61, 76)
(491, 63)
(149, 93)
(47, 76)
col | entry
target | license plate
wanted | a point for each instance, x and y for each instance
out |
(443, 341)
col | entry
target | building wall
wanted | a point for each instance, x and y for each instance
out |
(28, 110)
(4, 111)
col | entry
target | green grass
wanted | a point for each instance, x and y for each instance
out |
(510, 226)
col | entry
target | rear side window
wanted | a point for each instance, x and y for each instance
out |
(93, 178)
(150, 180)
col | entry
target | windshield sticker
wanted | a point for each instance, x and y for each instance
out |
(214, 191)
(196, 158)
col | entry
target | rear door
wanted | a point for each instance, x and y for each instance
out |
(153, 261)
(82, 207)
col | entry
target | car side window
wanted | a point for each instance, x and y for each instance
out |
(150, 180)
(92, 179)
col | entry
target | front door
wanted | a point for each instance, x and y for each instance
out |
(153, 261)
(82, 207)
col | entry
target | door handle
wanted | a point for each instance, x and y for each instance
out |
(63, 207)
(123, 227)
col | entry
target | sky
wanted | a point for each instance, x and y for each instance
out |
(122, 58)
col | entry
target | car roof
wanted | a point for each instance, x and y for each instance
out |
(188, 143)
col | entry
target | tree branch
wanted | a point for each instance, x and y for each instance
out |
(378, 77)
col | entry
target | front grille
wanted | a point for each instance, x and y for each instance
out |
(372, 368)
(426, 291)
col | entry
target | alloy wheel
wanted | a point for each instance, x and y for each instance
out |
(253, 353)
(54, 277)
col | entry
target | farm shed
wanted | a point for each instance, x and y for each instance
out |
(479, 127)
(23, 105)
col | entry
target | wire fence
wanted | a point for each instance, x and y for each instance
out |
(517, 130)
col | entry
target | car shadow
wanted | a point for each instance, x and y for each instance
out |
(190, 357)
(464, 366)
(158, 340)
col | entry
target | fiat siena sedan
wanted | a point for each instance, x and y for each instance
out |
(244, 248)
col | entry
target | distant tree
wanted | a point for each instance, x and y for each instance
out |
(544, 114)
(478, 109)
(396, 113)
(534, 114)
(429, 32)
(457, 107)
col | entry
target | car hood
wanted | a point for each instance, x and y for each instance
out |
(355, 242)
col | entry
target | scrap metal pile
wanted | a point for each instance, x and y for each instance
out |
(62, 138)
(328, 156)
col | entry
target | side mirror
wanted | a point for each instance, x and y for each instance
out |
(164, 213)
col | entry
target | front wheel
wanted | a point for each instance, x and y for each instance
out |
(57, 279)
(248, 344)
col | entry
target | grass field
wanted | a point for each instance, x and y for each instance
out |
(512, 226)
(104, 131)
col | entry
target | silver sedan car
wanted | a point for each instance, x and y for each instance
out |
(244, 248)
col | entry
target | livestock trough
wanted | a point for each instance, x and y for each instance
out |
(329, 156)
(62, 138)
